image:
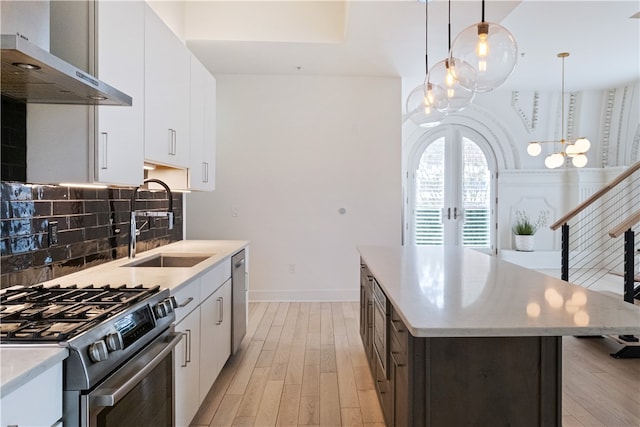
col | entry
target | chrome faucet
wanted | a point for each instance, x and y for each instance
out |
(133, 229)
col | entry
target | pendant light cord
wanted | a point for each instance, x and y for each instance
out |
(562, 55)
(449, 25)
(426, 38)
(562, 102)
(482, 10)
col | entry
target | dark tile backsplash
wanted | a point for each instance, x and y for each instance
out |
(93, 228)
(13, 140)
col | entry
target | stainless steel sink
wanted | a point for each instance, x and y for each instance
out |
(170, 260)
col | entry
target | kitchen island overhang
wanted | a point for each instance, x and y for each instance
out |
(472, 339)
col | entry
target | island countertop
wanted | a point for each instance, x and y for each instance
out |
(457, 292)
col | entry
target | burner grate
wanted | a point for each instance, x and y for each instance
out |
(40, 313)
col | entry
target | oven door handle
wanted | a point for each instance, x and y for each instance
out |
(111, 394)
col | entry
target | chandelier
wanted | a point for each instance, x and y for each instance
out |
(573, 149)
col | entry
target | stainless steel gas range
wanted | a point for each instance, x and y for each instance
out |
(121, 348)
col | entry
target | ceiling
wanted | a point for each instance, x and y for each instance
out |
(387, 38)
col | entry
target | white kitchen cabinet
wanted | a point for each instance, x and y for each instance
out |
(37, 403)
(215, 340)
(167, 85)
(187, 369)
(104, 144)
(120, 135)
(202, 127)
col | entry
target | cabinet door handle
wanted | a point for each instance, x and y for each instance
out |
(186, 303)
(172, 142)
(104, 140)
(189, 345)
(221, 310)
(175, 142)
(395, 323)
(393, 354)
(186, 343)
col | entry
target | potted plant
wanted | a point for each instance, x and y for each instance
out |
(524, 230)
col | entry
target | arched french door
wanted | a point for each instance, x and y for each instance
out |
(452, 190)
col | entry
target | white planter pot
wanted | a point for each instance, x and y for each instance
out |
(525, 243)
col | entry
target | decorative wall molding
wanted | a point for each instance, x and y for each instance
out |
(606, 126)
(619, 142)
(530, 123)
(479, 120)
(635, 145)
(571, 115)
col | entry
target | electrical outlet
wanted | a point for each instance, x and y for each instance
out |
(234, 211)
(52, 230)
(292, 268)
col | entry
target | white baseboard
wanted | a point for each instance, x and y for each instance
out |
(305, 295)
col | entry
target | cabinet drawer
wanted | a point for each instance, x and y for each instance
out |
(188, 299)
(398, 333)
(214, 278)
(398, 352)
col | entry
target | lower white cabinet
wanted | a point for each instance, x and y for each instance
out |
(215, 336)
(204, 317)
(37, 403)
(187, 369)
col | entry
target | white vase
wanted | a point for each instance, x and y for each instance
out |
(525, 243)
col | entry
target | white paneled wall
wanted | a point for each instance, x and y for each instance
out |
(294, 152)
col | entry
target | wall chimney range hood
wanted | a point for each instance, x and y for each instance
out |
(33, 75)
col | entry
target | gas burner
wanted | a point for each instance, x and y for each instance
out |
(57, 313)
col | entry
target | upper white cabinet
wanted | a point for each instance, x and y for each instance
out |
(120, 134)
(167, 88)
(103, 144)
(203, 128)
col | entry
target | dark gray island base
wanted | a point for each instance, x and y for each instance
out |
(458, 381)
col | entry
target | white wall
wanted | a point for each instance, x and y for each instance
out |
(291, 152)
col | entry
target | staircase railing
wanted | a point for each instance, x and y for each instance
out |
(588, 252)
(626, 228)
(591, 249)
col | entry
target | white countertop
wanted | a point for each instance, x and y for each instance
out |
(114, 272)
(20, 363)
(457, 292)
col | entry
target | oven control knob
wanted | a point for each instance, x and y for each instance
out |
(114, 341)
(98, 351)
(173, 302)
(161, 310)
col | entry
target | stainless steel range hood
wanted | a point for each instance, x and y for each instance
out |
(32, 74)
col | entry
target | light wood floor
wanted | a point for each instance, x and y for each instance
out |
(303, 364)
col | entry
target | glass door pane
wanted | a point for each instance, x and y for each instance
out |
(429, 197)
(476, 190)
(453, 193)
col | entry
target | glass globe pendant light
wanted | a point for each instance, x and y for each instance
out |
(420, 110)
(490, 50)
(450, 92)
(420, 100)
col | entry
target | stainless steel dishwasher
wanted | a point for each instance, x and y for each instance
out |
(239, 298)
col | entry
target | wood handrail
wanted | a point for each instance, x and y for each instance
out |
(582, 206)
(625, 225)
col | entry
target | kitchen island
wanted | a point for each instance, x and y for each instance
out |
(457, 337)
